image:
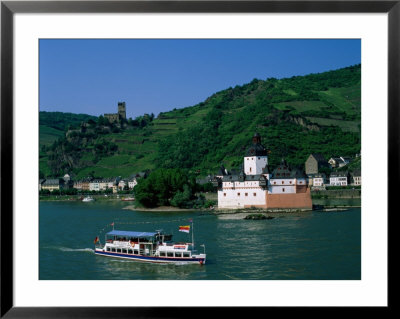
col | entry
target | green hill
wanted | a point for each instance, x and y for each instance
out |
(317, 113)
(52, 125)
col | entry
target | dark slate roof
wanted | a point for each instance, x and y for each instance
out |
(222, 171)
(256, 150)
(266, 170)
(337, 159)
(241, 177)
(205, 180)
(298, 173)
(356, 172)
(54, 181)
(339, 174)
(282, 171)
(318, 157)
(230, 178)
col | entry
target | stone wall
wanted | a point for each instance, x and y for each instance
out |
(298, 200)
(292, 201)
(112, 117)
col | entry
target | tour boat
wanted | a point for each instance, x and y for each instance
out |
(153, 247)
(128, 199)
(88, 199)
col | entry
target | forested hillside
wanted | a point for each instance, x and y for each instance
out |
(317, 113)
(53, 125)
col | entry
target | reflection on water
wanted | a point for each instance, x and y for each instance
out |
(313, 245)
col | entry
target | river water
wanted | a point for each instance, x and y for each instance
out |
(302, 246)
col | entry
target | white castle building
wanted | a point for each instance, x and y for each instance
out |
(256, 186)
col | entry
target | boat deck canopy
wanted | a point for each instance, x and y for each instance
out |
(130, 233)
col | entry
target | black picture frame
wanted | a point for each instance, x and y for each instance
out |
(9, 8)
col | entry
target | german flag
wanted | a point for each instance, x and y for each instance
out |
(185, 229)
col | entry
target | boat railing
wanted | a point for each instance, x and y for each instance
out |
(121, 243)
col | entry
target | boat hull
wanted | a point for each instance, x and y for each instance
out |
(152, 259)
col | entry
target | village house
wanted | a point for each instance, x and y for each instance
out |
(78, 184)
(337, 162)
(83, 184)
(339, 179)
(41, 181)
(314, 162)
(132, 182)
(319, 180)
(53, 184)
(134, 178)
(256, 186)
(222, 172)
(68, 182)
(122, 183)
(94, 185)
(356, 177)
(107, 183)
(205, 180)
(346, 160)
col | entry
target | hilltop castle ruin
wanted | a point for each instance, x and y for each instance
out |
(117, 117)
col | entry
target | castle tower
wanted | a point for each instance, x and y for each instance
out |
(122, 110)
(256, 157)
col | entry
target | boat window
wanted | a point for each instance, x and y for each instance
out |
(170, 254)
(162, 253)
(124, 251)
(178, 254)
(118, 250)
(186, 254)
(113, 250)
(108, 248)
(136, 252)
(130, 251)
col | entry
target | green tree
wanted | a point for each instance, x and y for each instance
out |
(160, 187)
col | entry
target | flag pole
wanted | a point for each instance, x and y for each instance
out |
(192, 235)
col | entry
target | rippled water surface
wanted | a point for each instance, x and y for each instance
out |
(314, 245)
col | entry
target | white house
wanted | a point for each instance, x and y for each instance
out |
(356, 175)
(122, 183)
(337, 162)
(132, 182)
(94, 185)
(338, 179)
(319, 180)
(106, 183)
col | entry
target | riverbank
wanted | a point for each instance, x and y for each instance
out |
(164, 209)
(322, 200)
(78, 198)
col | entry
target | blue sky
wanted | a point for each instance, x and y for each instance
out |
(153, 76)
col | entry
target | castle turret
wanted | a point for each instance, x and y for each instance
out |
(256, 157)
(122, 110)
